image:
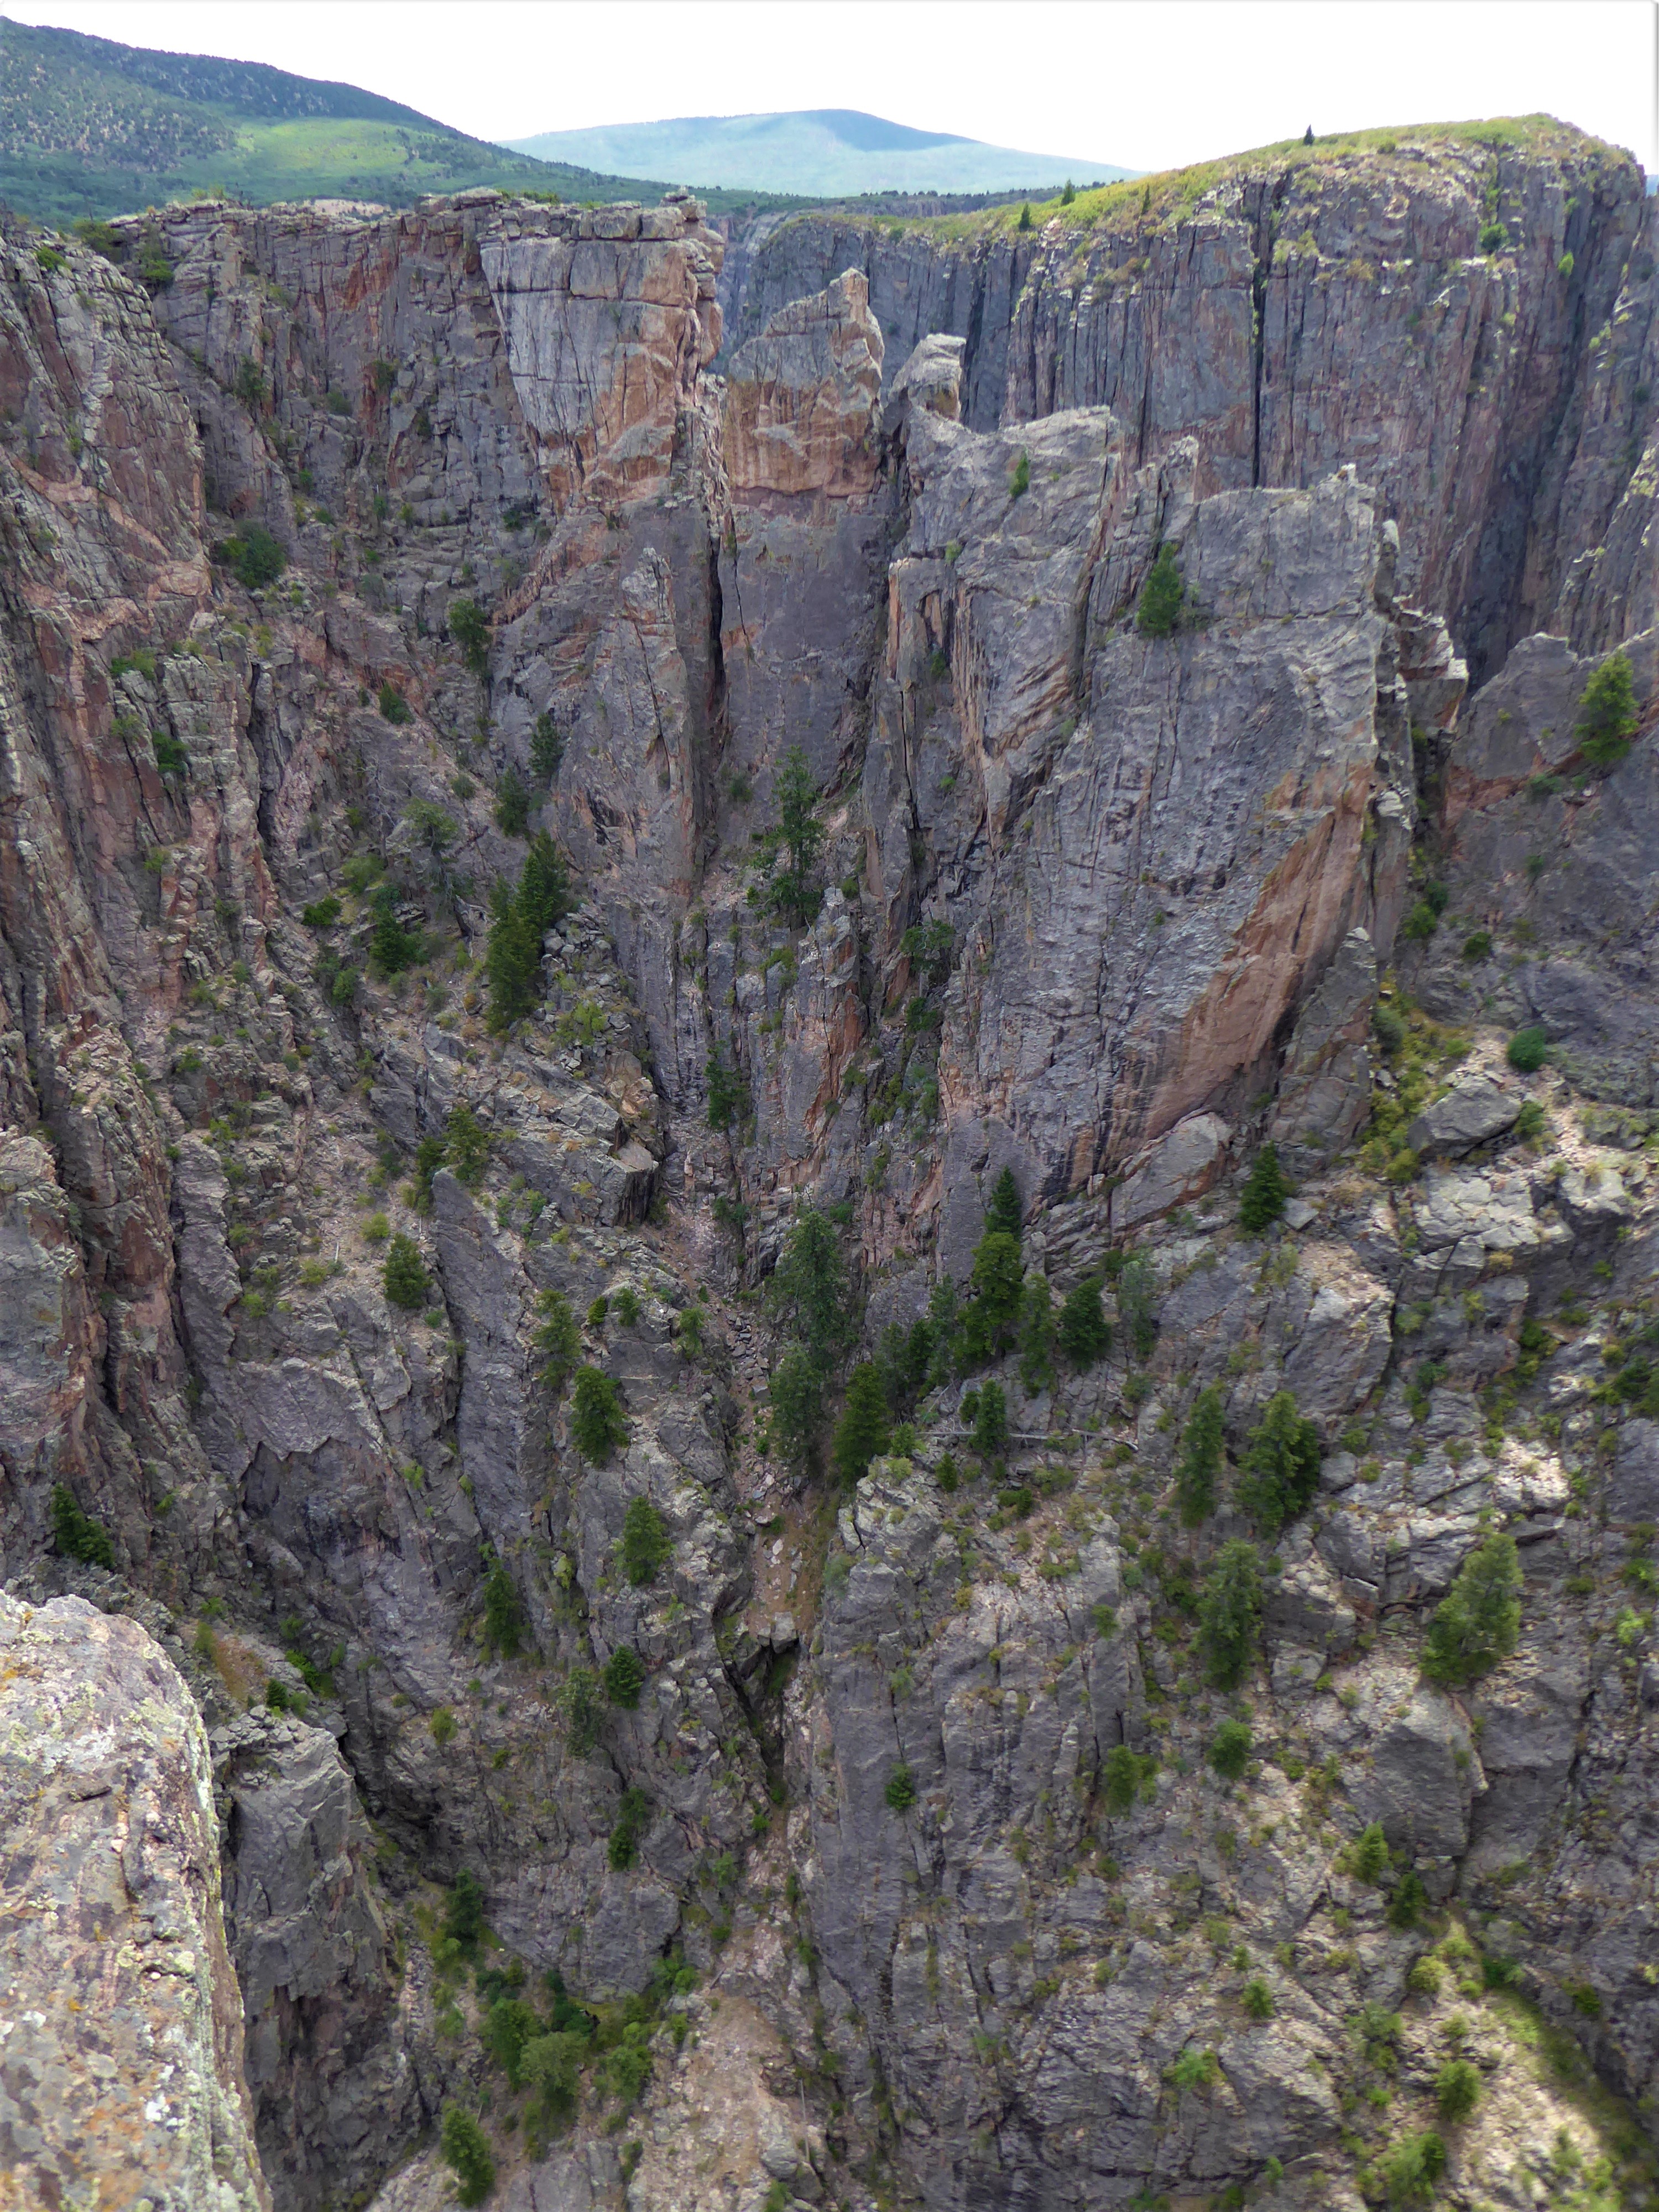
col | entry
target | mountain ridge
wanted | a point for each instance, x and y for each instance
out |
(824, 151)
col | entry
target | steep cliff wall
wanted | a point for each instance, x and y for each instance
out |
(1299, 310)
(816, 1797)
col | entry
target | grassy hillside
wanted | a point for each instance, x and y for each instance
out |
(91, 128)
(824, 151)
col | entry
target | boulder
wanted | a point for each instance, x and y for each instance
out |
(113, 1953)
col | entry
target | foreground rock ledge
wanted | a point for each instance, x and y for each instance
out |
(120, 2021)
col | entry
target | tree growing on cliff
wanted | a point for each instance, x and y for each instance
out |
(1005, 1210)
(1267, 1188)
(1280, 1465)
(1161, 596)
(647, 1546)
(1229, 1611)
(1198, 1468)
(404, 1278)
(786, 856)
(521, 920)
(1608, 716)
(1084, 1334)
(469, 626)
(76, 1535)
(503, 1624)
(862, 1433)
(1478, 1621)
(467, 2152)
(596, 1421)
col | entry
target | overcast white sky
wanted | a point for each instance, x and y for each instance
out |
(1146, 83)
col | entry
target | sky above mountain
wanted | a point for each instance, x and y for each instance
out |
(1144, 84)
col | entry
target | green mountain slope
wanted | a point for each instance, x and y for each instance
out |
(91, 128)
(817, 150)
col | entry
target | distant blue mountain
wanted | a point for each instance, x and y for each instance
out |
(817, 151)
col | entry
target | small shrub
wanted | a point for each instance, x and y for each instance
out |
(1020, 482)
(76, 1535)
(394, 707)
(1427, 1978)
(322, 914)
(901, 1790)
(1258, 1999)
(1494, 238)
(1370, 1856)
(647, 1546)
(1409, 1903)
(1230, 1749)
(1412, 2167)
(625, 1305)
(1607, 717)
(1196, 2069)
(1529, 1049)
(1161, 595)
(1457, 2089)
(1477, 946)
(443, 1726)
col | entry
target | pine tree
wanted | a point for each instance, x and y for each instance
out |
(1478, 1621)
(544, 893)
(990, 1420)
(1199, 1469)
(546, 749)
(1136, 1307)
(596, 1421)
(728, 1095)
(647, 1546)
(1265, 1190)
(1161, 596)
(808, 1290)
(1280, 1467)
(1084, 1334)
(466, 2151)
(998, 1280)
(1036, 1336)
(862, 1433)
(787, 854)
(503, 1615)
(466, 1146)
(557, 1339)
(1608, 718)
(624, 1677)
(1004, 1211)
(403, 1277)
(1229, 1611)
(795, 1394)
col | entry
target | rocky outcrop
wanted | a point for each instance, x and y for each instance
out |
(1295, 312)
(122, 2078)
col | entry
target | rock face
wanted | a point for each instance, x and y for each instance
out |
(123, 2072)
(1326, 306)
(888, 1832)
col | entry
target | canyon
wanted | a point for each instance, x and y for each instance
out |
(444, 1117)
